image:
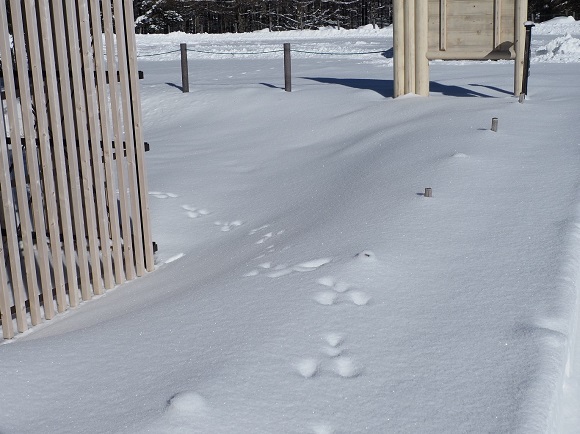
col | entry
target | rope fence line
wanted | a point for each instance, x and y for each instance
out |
(157, 54)
(183, 49)
(245, 53)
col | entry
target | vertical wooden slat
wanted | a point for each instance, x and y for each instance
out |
(75, 182)
(20, 165)
(139, 139)
(44, 140)
(100, 64)
(497, 23)
(443, 25)
(17, 282)
(118, 136)
(421, 46)
(399, 47)
(409, 46)
(83, 146)
(7, 326)
(135, 238)
(88, 62)
(6, 197)
(59, 162)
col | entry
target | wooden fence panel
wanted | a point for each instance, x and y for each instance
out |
(74, 222)
(17, 232)
(60, 167)
(143, 194)
(118, 138)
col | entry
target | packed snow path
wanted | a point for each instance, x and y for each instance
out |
(305, 285)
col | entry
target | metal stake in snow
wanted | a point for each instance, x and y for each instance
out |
(527, 54)
(428, 192)
(494, 124)
(287, 69)
(184, 69)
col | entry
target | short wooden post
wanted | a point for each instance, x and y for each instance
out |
(184, 69)
(287, 68)
(522, 97)
(428, 192)
(398, 48)
(494, 122)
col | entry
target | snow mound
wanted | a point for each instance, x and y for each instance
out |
(557, 26)
(565, 49)
(560, 20)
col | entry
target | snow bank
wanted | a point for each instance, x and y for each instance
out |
(565, 49)
(557, 26)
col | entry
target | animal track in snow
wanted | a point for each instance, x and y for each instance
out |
(307, 367)
(267, 236)
(322, 428)
(342, 290)
(346, 367)
(284, 270)
(228, 226)
(334, 339)
(162, 195)
(359, 298)
(326, 298)
(261, 228)
(336, 362)
(193, 212)
(188, 403)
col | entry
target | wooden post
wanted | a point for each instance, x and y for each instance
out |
(421, 61)
(398, 48)
(519, 44)
(409, 11)
(184, 69)
(494, 122)
(428, 192)
(287, 68)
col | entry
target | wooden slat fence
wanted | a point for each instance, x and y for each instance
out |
(74, 216)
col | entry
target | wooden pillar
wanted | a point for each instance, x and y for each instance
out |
(398, 48)
(519, 43)
(421, 46)
(409, 19)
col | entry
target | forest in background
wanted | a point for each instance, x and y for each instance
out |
(238, 16)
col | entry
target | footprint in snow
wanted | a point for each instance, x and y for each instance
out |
(265, 237)
(326, 298)
(193, 212)
(342, 290)
(228, 226)
(336, 362)
(261, 228)
(284, 270)
(346, 367)
(162, 195)
(323, 428)
(333, 347)
(308, 368)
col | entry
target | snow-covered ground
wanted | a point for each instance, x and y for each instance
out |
(304, 284)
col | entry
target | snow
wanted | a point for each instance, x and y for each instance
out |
(304, 284)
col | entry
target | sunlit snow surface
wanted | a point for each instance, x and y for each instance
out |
(304, 284)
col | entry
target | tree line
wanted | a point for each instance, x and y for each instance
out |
(221, 16)
(233, 16)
